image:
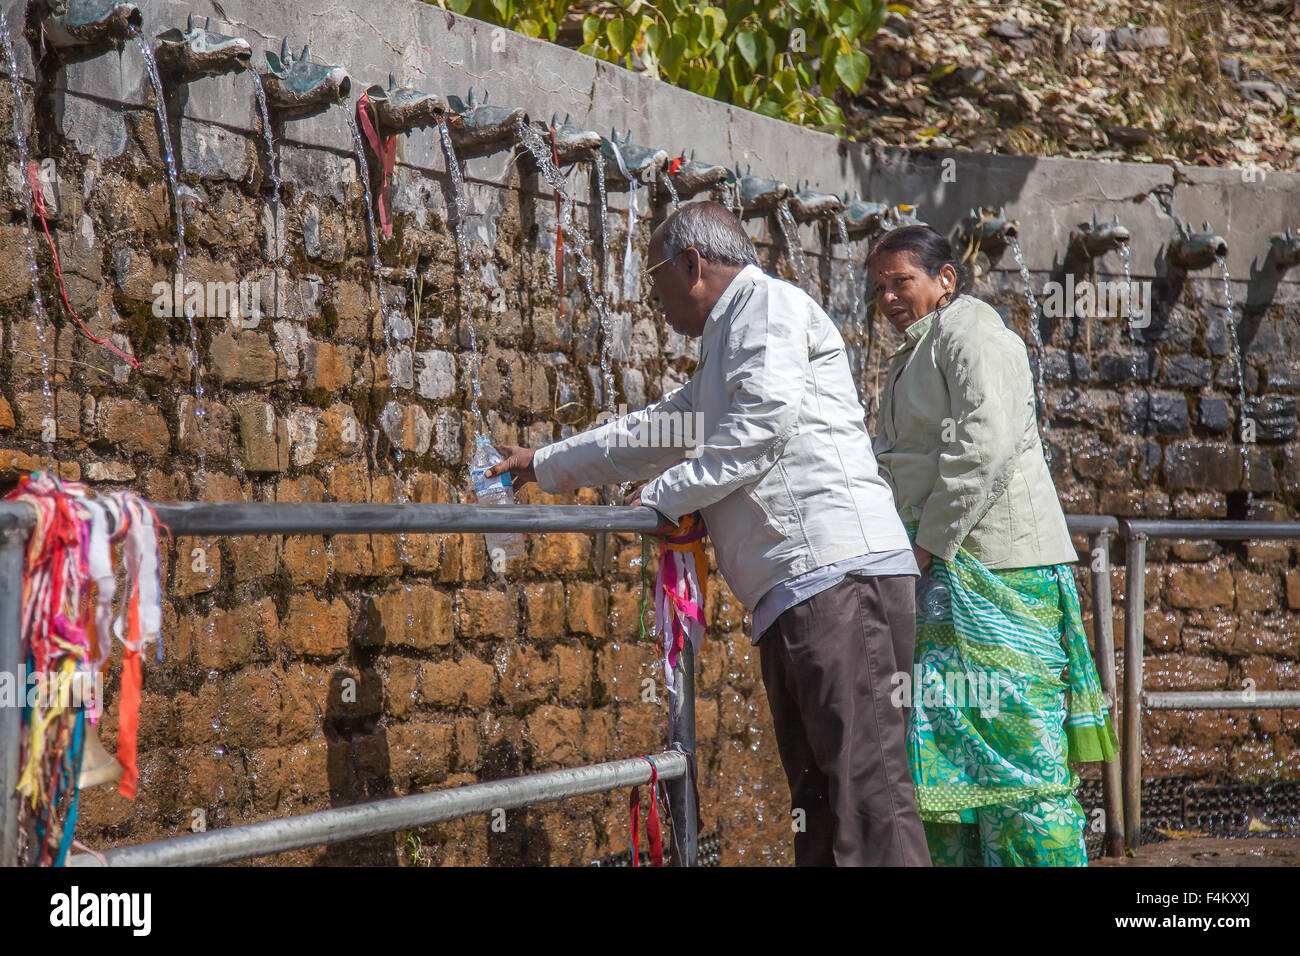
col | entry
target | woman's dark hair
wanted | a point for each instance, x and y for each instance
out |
(929, 249)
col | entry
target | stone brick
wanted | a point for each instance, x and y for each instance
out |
(252, 557)
(338, 433)
(624, 608)
(400, 687)
(1183, 672)
(543, 610)
(1274, 417)
(409, 616)
(244, 359)
(559, 553)
(588, 609)
(528, 676)
(487, 614)
(196, 567)
(467, 742)
(316, 628)
(250, 700)
(1158, 413)
(554, 733)
(227, 639)
(1255, 592)
(467, 682)
(307, 558)
(574, 669)
(1271, 674)
(351, 554)
(263, 438)
(419, 753)
(133, 426)
(1197, 465)
(329, 367)
(1209, 585)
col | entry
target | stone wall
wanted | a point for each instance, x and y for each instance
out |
(463, 673)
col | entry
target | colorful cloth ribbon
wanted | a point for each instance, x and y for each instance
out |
(681, 590)
(652, 829)
(68, 589)
(384, 150)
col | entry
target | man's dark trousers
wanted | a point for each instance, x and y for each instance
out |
(828, 666)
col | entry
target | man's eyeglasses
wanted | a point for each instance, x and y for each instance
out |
(647, 274)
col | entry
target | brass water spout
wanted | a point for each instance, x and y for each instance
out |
(87, 25)
(1196, 250)
(195, 52)
(297, 87)
(809, 206)
(400, 109)
(986, 230)
(1088, 240)
(694, 177)
(479, 128)
(759, 195)
(1284, 247)
(642, 162)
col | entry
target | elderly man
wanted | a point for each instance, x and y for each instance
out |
(803, 527)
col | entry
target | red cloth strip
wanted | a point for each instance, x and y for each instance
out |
(386, 153)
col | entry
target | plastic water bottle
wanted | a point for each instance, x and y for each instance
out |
(932, 599)
(494, 491)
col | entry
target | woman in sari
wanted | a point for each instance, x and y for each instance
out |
(1005, 693)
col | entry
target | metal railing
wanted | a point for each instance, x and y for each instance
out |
(674, 766)
(1136, 535)
(1121, 786)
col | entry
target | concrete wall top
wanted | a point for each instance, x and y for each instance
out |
(444, 53)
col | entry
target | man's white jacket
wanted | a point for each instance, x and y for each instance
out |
(781, 465)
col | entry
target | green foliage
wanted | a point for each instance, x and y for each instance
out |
(785, 60)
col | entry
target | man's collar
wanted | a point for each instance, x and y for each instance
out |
(751, 273)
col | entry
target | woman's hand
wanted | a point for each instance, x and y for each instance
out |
(922, 557)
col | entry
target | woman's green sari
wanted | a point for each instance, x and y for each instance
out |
(995, 720)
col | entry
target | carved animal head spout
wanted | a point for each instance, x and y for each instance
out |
(866, 220)
(809, 206)
(400, 109)
(985, 230)
(642, 162)
(196, 51)
(694, 177)
(1284, 247)
(1088, 240)
(87, 24)
(759, 195)
(573, 144)
(298, 87)
(478, 128)
(1195, 250)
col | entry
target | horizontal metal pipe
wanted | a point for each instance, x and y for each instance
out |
(1220, 699)
(236, 518)
(1091, 524)
(1216, 530)
(388, 816)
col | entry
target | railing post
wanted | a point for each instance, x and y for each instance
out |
(1134, 624)
(1103, 629)
(681, 730)
(12, 667)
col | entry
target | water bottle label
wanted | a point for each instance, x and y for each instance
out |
(488, 485)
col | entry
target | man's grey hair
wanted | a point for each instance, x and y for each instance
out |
(712, 231)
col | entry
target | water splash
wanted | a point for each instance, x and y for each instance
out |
(461, 202)
(1126, 256)
(272, 158)
(793, 248)
(29, 201)
(602, 197)
(173, 179)
(1231, 321)
(857, 319)
(1040, 388)
(532, 140)
(672, 190)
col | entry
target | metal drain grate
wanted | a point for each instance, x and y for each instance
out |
(709, 851)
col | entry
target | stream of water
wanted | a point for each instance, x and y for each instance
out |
(461, 202)
(1247, 433)
(672, 190)
(793, 248)
(532, 140)
(272, 158)
(29, 204)
(173, 179)
(1040, 389)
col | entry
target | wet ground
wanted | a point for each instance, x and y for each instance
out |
(1213, 851)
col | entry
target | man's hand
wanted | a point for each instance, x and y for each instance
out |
(633, 498)
(518, 461)
(922, 556)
